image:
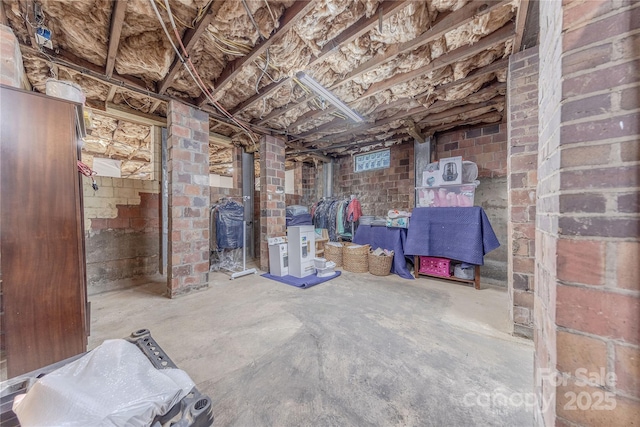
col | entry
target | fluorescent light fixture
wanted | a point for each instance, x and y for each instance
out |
(321, 91)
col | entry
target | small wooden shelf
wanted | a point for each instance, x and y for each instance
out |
(475, 282)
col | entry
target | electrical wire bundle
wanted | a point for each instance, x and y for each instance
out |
(191, 69)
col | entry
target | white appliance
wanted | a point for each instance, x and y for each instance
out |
(278, 256)
(302, 250)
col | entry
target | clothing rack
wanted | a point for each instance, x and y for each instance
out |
(332, 213)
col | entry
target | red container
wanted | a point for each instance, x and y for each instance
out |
(435, 266)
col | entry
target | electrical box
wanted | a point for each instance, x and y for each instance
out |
(278, 256)
(302, 250)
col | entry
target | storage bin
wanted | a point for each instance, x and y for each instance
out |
(380, 265)
(468, 272)
(435, 266)
(333, 252)
(450, 196)
(356, 259)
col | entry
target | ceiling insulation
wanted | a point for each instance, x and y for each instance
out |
(404, 66)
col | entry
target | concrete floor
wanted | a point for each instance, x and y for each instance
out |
(359, 350)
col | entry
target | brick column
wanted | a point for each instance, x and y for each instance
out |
(236, 164)
(297, 179)
(587, 295)
(188, 170)
(11, 68)
(522, 170)
(308, 185)
(272, 196)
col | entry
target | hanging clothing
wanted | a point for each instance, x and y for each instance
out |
(354, 211)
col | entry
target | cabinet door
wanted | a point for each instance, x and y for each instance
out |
(42, 264)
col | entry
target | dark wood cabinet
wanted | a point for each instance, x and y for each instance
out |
(42, 258)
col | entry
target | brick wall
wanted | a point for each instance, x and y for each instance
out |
(522, 167)
(587, 295)
(11, 68)
(549, 96)
(487, 147)
(272, 197)
(379, 190)
(309, 179)
(189, 199)
(122, 232)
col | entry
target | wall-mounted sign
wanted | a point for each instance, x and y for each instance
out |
(370, 161)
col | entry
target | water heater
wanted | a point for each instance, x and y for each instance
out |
(302, 250)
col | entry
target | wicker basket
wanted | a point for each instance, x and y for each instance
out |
(356, 260)
(380, 265)
(333, 253)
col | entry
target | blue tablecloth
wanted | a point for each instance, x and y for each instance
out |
(392, 239)
(463, 234)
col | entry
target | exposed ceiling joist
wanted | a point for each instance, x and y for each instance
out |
(117, 20)
(447, 109)
(491, 117)
(521, 19)
(155, 106)
(493, 39)
(438, 105)
(27, 7)
(291, 15)
(3, 15)
(463, 109)
(120, 112)
(414, 131)
(75, 63)
(441, 26)
(189, 40)
(359, 28)
(266, 91)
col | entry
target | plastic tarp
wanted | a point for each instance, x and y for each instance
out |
(229, 217)
(113, 385)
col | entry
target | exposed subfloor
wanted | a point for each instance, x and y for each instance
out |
(359, 350)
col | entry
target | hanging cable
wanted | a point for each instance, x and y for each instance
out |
(246, 6)
(197, 79)
(88, 172)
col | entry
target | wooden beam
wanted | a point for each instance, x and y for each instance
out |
(464, 52)
(490, 117)
(27, 7)
(130, 115)
(521, 19)
(3, 16)
(290, 16)
(112, 92)
(155, 106)
(282, 110)
(266, 91)
(450, 109)
(359, 28)
(464, 109)
(117, 19)
(220, 140)
(441, 26)
(189, 40)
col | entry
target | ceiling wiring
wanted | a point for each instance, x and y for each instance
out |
(253, 21)
(181, 22)
(189, 66)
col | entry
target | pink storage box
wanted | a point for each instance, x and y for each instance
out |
(435, 266)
